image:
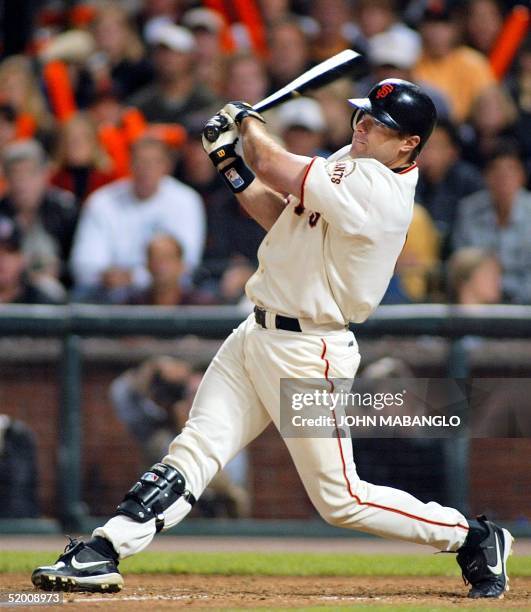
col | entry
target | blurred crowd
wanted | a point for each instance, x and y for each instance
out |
(106, 195)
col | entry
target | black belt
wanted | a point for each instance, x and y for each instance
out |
(286, 323)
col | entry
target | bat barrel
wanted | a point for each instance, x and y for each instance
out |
(271, 102)
(339, 65)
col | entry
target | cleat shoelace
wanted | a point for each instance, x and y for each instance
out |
(72, 543)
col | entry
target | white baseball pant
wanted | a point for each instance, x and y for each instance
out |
(240, 395)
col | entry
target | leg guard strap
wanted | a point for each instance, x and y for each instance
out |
(156, 491)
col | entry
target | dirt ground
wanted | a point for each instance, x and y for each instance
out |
(233, 592)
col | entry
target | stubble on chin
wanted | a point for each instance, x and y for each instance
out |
(358, 149)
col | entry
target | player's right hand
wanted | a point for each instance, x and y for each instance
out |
(224, 146)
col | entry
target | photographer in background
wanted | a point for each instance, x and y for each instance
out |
(18, 284)
(153, 401)
(18, 470)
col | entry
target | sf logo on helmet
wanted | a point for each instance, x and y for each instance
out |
(384, 91)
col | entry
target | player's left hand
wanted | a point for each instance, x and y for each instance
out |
(238, 111)
(224, 147)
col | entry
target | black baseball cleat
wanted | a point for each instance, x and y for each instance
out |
(483, 559)
(79, 568)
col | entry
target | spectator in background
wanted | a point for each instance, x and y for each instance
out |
(231, 288)
(337, 114)
(302, 126)
(72, 48)
(336, 29)
(8, 134)
(273, 11)
(519, 86)
(80, 164)
(166, 268)
(418, 265)
(119, 61)
(245, 78)
(16, 286)
(106, 109)
(483, 21)
(167, 285)
(46, 215)
(499, 219)
(207, 25)
(474, 277)
(393, 56)
(493, 117)
(444, 180)
(159, 12)
(20, 89)
(195, 169)
(120, 219)
(153, 400)
(176, 92)
(460, 72)
(289, 52)
(380, 16)
(231, 233)
(8, 125)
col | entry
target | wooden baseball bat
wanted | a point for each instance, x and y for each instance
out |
(331, 69)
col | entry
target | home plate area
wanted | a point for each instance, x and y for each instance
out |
(143, 592)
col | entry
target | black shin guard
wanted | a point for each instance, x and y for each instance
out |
(156, 491)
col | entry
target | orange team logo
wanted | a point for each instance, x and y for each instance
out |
(384, 91)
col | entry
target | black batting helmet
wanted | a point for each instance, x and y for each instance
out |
(402, 106)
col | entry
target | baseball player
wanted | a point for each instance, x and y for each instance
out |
(332, 243)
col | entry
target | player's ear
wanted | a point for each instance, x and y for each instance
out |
(409, 143)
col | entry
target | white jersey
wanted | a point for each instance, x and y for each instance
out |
(330, 255)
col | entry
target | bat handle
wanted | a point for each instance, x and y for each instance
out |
(214, 127)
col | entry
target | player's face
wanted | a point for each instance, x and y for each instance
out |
(373, 139)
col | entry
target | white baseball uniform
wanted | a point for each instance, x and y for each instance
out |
(326, 261)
